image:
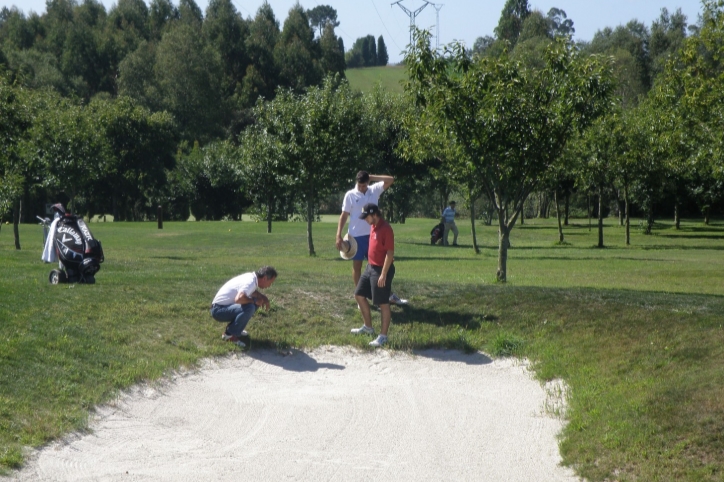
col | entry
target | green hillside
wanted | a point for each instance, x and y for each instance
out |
(365, 79)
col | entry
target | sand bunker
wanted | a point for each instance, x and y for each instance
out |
(333, 414)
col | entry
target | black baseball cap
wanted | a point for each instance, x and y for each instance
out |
(368, 209)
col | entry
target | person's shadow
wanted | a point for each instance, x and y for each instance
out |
(293, 360)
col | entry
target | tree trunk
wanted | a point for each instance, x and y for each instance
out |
(650, 218)
(269, 213)
(589, 212)
(568, 205)
(522, 215)
(558, 216)
(706, 215)
(621, 207)
(628, 218)
(310, 215)
(503, 243)
(600, 217)
(472, 223)
(17, 212)
(677, 215)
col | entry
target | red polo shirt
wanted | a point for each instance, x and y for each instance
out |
(382, 240)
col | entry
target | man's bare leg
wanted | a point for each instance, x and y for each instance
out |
(364, 308)
(356, 271)
(386, 317)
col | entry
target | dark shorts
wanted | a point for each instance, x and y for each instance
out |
(363, 245)
(368, 288)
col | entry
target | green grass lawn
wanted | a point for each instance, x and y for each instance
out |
(636, 332)
(365, 79)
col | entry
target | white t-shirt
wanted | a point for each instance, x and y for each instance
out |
(353, 203)
(246, 282)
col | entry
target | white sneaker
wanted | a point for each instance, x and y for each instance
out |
(379, 341)
(365, 330)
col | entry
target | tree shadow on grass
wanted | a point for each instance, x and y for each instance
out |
(292, 360)
(474, 358)
(408, 314)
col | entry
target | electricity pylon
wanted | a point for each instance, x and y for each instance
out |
(437, 21)
(411, 14)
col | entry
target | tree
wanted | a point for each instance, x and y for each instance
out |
(632, 38)
(14, 172)
(383, 57)
(190, 13)
(522, 118)
(668, 33)
(262, 74)
(559, 23)
(188, 73)
(216, 178)
(319, 137)
(296, 54)
(511, 20)
(70, 147)
(321, 16)
(332, 61)
(226, 32)
(263, 164)
(138, 150)
(161, 14)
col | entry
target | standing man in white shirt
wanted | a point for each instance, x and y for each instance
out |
(363, 193)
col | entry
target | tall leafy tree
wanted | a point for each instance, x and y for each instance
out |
(226, 32)
(190, 13)
(262, 74)
(332, 61)
(138, 150)
(559, 23)
(161, 14)
(511, 123)
(383, 58)
(319, 135)
(511, 20)
(321, 16)
(668, 33)
(15, 173)
(296, 53)
(188, 73)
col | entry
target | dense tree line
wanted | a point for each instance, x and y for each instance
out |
(206, 69)
(366, 52)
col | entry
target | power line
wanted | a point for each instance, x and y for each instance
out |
(383, 24)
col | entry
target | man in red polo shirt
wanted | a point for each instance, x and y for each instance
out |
(376, 281)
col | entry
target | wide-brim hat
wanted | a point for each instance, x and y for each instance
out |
(349, 247)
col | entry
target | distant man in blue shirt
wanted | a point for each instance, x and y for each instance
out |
(448, 218)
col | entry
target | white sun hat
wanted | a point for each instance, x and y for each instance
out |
(349, 247)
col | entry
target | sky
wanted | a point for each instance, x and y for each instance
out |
(461, 20)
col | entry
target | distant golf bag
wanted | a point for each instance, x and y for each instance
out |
(79, 252)
(436, 233)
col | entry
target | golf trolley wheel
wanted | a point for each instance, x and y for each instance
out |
(56, 276)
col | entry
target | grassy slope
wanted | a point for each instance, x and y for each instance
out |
(365, 79)
(635, 331)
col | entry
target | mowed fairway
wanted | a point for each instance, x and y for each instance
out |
(636, 332)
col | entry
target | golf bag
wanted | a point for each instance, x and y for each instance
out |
(79, 253)
(436, 233)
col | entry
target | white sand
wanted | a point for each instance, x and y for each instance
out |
(333, 414)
